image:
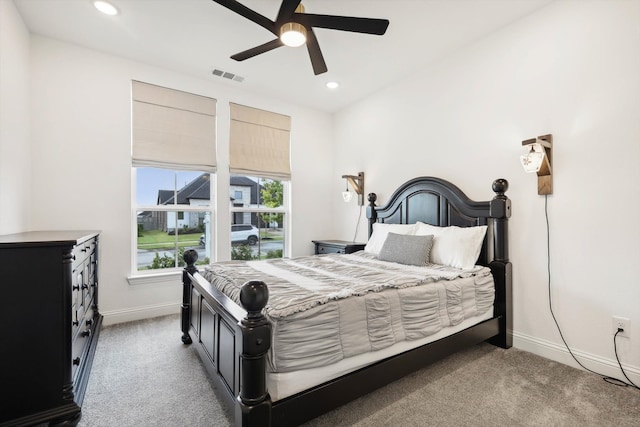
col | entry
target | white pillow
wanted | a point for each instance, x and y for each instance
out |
(379, 235)
(454, 246)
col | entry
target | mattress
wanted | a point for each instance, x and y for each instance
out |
(329, 308)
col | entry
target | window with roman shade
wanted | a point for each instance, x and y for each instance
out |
(259, 160)
(173, 161)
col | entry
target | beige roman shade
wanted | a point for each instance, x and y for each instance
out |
(172, 129)
(259, 143)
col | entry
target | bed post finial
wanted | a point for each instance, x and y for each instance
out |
(254, 296)
(500, 211)
(190, 257)
(371, 211)
(500, 186)
(254, 402)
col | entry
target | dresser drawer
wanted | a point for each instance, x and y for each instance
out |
(83, 281)
(336, 247)
(81, 340)
(329, 249)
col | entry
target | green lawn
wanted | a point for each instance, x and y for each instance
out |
(271, 234)
(156, 239)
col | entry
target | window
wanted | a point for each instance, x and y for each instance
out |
(173, 158)
(173, 211)
(258, 229)
(259, 143)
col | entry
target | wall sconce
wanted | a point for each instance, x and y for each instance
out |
(357, 182)
(539, 160)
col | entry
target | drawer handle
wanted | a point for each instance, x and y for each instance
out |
(85, 286)
(76, 323)
(86, 333)
(75, 287)
(76, 361)
(89, 322)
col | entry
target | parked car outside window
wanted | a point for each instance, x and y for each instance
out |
(240, 233)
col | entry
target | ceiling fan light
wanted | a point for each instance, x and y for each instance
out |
(293, 34)
(105, 7)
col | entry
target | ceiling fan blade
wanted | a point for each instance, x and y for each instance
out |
(286, 10)
(250, 53)
(343, 23)
(317, 60)
(251, 15)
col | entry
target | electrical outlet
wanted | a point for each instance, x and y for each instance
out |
(621, 323)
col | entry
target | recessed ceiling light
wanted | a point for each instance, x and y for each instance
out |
(105, 7)
(332, 85)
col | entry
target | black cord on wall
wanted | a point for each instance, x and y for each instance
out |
(615, 348)
(611, 380)
(357, 224)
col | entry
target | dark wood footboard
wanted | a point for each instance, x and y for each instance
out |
(233, 340)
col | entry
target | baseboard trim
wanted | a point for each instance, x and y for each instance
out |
(559, 353)
(112, 317)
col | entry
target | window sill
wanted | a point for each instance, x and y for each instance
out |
(166, 278)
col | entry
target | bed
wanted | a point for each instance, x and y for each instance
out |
(235, 333)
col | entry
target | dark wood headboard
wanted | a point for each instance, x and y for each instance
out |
(438, 202)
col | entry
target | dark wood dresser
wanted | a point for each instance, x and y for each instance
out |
(49, 325)
(337, 246)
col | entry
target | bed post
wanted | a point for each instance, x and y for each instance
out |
(190, 257)
(500, 211)
(254, 403)
(371, 211)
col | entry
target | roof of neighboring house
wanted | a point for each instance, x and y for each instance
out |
(199, 188)
(243, 181)
(164, 196)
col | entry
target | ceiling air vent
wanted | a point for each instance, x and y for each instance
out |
(227, 75)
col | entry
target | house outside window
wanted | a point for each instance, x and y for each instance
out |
(179, 217)
(173, 211)
(262, 212)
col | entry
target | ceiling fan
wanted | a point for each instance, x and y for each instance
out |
(293, 24)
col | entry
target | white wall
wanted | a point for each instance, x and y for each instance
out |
(571, 69)
(15, 161)
(80, 127)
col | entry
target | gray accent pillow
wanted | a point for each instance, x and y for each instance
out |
(406, 249)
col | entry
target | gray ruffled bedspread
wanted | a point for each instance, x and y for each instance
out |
(329, 307)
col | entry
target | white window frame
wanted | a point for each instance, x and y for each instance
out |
(284, 210)
(166, 274)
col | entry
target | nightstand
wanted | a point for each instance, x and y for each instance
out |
(337, 246)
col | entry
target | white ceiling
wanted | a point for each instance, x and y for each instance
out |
(197, 36)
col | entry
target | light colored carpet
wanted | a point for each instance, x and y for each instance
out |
(144, 376)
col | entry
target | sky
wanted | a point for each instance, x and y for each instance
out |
(150, 180)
